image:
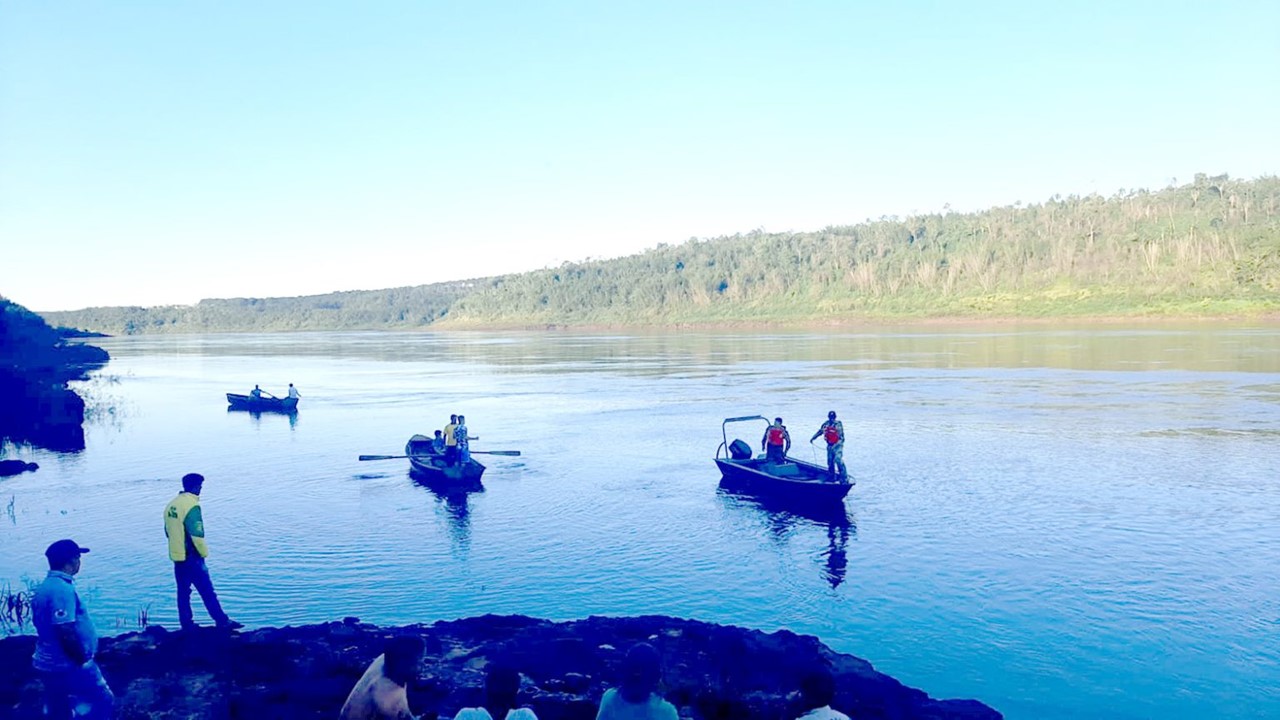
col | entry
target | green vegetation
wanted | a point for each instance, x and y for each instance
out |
(1211, 247)
(36, 362)
(410, 307)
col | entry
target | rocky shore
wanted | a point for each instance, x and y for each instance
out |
(36, 362)
(709, 671)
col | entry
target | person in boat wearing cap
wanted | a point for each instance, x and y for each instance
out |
(184, 526)
(833, 432)
(66, 641)
(776, 442)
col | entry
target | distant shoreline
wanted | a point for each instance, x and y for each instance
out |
(877, 322)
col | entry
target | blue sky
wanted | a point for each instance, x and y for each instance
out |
(160, 153)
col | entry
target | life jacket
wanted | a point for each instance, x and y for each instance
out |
(831, 434)
(776, 435)
(175, 516)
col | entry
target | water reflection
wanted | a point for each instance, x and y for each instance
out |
(457, 511)
(257, 415)
(785, 519)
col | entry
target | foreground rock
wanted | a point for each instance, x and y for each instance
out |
(710, 671)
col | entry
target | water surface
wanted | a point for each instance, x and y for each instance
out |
(1062, 523)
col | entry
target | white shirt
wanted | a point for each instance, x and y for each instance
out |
(482, 714)
(293, 392)
(823, 713)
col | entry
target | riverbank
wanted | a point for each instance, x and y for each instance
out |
(36, 362)
(709, 671)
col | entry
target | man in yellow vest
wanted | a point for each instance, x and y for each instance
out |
(451, 441)
(184, 526)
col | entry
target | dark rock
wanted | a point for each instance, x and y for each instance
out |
(13, 467)
(36, 362)
(710, 671)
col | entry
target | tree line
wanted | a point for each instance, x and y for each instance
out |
(1211, 246)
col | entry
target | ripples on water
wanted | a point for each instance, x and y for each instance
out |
(1060, 523)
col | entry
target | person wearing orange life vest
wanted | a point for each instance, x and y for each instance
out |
(184, 526)
(776, 442)
(833, 432)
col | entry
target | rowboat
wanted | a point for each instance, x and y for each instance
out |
(429, 466)
(262, 404)
(793, 480)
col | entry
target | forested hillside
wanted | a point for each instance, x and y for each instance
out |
(1209, 247)
(1212, 246)
(408, 307)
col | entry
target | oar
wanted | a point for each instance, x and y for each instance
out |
(509, 453)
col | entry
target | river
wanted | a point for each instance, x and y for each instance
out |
(1062, 522)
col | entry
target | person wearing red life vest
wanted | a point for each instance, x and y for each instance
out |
(833, 432)
(776, 442)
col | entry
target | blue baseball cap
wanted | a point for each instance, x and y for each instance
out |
(64, 550)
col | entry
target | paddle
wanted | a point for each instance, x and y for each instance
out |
(509, 453)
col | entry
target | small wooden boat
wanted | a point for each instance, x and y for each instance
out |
(262, 404)
(430, 466)
(792, 480)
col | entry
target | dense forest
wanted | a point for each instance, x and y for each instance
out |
(407, 307)
(1209, 247)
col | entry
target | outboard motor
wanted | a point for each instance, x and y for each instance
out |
(739, 450)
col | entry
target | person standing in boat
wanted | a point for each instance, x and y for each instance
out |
(462, 441)
(293, 392)
(776, 442)
(451, 441)
(184, 526)
(833, 432)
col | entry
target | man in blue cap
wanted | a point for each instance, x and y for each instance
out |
(66, 641)
(184, 527)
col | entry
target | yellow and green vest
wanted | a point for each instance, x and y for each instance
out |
(184, 526)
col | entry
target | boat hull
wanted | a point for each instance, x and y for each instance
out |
(430, 467)
(792, 480)
(244, 402)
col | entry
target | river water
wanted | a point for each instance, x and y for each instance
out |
(1060, 522)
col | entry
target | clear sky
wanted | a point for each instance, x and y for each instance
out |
(163, 152)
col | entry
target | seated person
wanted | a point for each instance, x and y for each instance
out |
(817, 692)
(382, 692)
(256, 393)
(501, 686)
(437, 443)
(636, 697)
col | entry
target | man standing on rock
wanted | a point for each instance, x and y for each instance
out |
(66, 641)
(184, 526)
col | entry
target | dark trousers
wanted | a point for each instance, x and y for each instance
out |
(77, 692)
(451, 455)
(194, 571)
(775, 454)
